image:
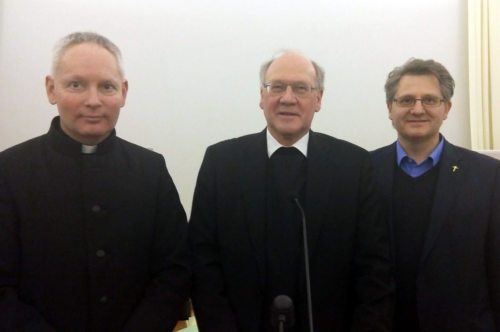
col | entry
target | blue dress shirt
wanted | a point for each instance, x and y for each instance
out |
(410, 167)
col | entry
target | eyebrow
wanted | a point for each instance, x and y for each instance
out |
(288, 82)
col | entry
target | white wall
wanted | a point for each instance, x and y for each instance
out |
(192, 65)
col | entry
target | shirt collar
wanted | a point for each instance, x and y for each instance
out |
(435, 155)
(273, 144)
(89, 149)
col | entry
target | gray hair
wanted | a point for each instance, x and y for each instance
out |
(420, 67)
(320, 73)
(77, 38)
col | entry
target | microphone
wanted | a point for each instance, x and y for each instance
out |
(282, 312)
(295, 199)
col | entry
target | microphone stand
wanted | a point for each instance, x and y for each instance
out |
(306, 263)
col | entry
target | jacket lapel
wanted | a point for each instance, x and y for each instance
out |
(384, 177)
(449, 182)
(384, 173)
(253, 177)
(320, 171)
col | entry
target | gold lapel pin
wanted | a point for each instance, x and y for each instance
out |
(454, 168)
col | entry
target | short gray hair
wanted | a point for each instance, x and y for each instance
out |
(320, 73)
(420, 67)
(77, 38)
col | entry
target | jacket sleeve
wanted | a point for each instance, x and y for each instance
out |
(374, 283)
(493, 250)
(168, 290)
(15, 315)
(211, 305)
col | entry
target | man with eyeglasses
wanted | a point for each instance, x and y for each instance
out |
(246, 226)
(444, 208)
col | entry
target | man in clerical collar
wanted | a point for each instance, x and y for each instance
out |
(93, 236)
(443, 203)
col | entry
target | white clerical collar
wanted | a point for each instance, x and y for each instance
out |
(273, 144)
(89, 149)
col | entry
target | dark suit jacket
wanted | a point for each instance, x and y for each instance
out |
(458, 278)
(349, 263)
(89, 242)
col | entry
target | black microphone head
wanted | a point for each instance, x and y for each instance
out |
(294, 196)
(282, 311)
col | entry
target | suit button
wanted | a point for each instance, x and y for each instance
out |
(103, 299)
(100, 253)
(96, 208)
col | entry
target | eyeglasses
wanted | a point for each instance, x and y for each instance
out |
(279, 88)
(410, 101)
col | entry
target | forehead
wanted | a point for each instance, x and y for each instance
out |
(419, 84)
(87, 58)
(291, 67)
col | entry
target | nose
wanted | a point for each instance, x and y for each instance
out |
(93, 99)
(288, 97)
(418, 108)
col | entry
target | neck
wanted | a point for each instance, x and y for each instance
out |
(419, 150)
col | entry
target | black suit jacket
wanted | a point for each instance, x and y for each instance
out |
(89, 242)
(349, 263)
(458, 278)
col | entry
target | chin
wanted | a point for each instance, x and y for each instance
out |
(417, 133)
(97, 129)
(289, 130)
(94, 135)
(417, 138)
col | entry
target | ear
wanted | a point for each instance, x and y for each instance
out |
(319, 96)
(261, 99)
(389, 109)
(50, 89)
(124, 91)
(447, 109)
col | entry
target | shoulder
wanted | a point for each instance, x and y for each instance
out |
(238, 142)
(19, 161)
(137, 150)
(454, 152)
(383, 152)
(138, 157)
(340, 148)
(23, 151)
(235, 148)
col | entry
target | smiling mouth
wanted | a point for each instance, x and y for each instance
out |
(286, 114)
(92, 118)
